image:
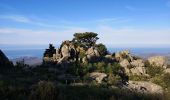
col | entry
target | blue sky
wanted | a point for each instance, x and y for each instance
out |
(119, 23)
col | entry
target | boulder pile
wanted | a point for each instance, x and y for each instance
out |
(68, 52)
(130, 64)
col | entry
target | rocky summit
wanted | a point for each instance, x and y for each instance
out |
(69, 52)
(130, 65)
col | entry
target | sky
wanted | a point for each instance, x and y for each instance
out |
(119, 23)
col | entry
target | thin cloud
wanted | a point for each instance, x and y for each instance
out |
(64, 24)
(16, 18)
(29, 36)
(34, 21)
(108, 35)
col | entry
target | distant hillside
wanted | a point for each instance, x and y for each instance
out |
(32, 61)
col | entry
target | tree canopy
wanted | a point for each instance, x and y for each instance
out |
(102, 49)
(49, 52)
(86, 39)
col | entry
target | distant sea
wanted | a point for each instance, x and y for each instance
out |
(143, 52)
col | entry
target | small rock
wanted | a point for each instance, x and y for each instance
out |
(97, 76)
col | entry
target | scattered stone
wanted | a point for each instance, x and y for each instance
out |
(98, 77)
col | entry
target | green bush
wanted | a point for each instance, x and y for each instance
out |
(138, 78)
(154, 70)
(102, 49)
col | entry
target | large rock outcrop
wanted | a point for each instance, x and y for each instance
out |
(92, 52)
(125, 64)
(131, 65)
(144, 87)
(158, 61)
(66, 53)
(138, 67)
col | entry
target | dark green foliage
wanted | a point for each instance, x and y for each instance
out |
(138, 78)
(50, 51)
(166, 79)
(102, 93)
(109, 69)
(86, 39)
(154, 70)
(102, 49)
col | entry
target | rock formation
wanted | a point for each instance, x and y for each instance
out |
(68, 52)
(158, 61)
(125, 64)
(144, 87)
(92, 53)
(138, 67)
(131, 66)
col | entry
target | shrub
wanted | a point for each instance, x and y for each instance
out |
(166, 79)
(138, 78)
(109, 69)
(102, 49)
(44, 91)
(154, 70)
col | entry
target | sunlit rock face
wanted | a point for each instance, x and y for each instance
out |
(130, 65)
(144, 87)
(68, 52)
(92, 52)
(138, 67)
(167, 70)
(125, 64)
(159, 61)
